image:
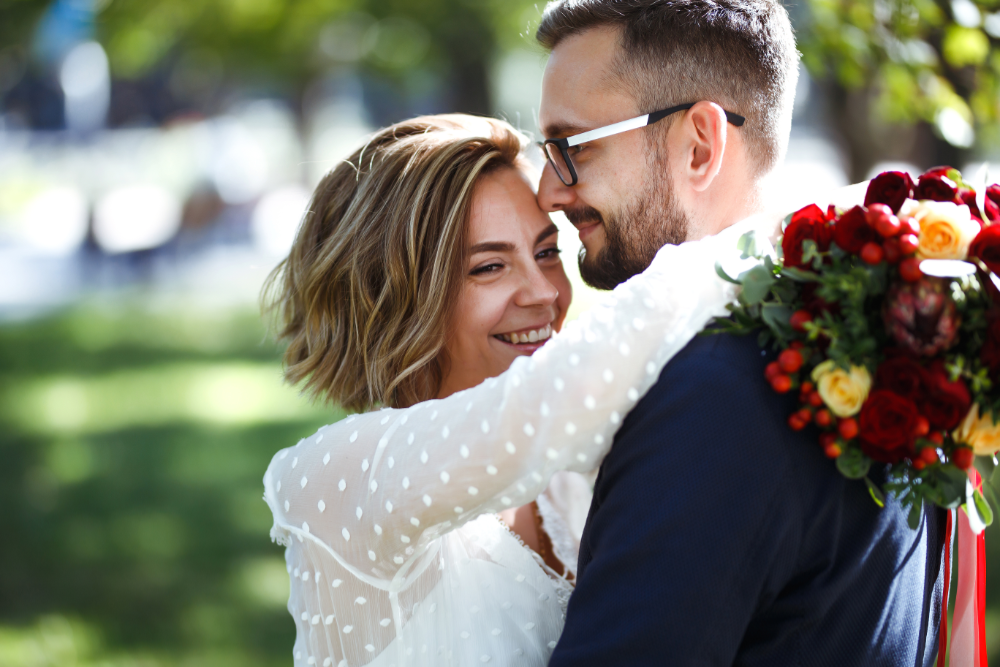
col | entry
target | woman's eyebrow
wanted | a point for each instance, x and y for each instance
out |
(492, 246)
(547, 232)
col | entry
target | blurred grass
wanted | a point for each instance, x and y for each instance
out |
(132, 530)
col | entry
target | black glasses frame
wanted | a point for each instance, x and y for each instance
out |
(565, 143)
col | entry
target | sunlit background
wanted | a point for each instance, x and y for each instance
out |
(155, 160)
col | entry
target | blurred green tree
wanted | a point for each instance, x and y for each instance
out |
(907, 79)
(285, 46)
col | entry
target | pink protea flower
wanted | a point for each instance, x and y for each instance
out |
(921, 316)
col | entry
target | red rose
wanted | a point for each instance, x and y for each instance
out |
(990, 353)
(993, 202)
(968, 197)
(986, 247)
(945, 403)
(936, 186)
(852, 231)
(992, 211)
(887, 424)
(808, 223)
(891, 188)
(902, 376)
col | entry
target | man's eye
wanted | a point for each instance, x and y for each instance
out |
(487, 269)
(575, 150)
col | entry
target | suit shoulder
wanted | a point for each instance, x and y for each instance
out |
(714, 391)
(709, 357)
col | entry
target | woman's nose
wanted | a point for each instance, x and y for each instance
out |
(553, 194)
(536, 290)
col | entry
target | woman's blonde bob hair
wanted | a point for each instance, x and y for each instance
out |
(365, 295)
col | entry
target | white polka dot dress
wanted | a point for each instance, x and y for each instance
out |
(394, 551)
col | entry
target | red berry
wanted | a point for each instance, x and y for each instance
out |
(807, 387)
(962, 458)
(919, 464)
(827, 439)
(781, 383)
(909, 270)
(771, 371)
(872, 253)
(815, 399)
(936, 438)
(796, 345)
(908, 243)
(790, 360)
(928, 455)
(887, 225)
(824, 419)
(922, 428)
(876, 211)
(848, 428)
(799, 319)
(805, 415)
(833, 451)
(909, 226)
(892, 252)
(795, 422)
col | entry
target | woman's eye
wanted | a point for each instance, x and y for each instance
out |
(548, 253)
(486, 269)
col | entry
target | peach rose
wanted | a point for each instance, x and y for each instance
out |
(946, 228)
(844, 392)
(979, 432)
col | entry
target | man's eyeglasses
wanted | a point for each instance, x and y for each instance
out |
(557, 150)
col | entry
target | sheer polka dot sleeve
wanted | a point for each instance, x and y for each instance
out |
(375, 489)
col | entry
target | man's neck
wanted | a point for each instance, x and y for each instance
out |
(726, 213)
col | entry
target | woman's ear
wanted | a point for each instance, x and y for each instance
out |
(705, 133)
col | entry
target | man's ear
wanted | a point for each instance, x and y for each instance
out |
(705, 133)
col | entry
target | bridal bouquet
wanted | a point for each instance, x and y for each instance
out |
(887, 321)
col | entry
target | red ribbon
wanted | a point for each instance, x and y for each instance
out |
(968, 639)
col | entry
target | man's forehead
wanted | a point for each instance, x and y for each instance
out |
(577, 90)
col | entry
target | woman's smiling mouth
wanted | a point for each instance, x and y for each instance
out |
(527, 337)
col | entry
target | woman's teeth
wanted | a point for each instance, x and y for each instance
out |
(533, 336)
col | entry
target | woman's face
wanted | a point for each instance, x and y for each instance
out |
(515, 293)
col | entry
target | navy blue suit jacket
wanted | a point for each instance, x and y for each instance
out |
(718, 536)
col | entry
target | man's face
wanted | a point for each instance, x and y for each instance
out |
(623, 205)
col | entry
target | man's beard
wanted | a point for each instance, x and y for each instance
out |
(633, 235)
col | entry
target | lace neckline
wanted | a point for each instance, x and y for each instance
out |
(564, 588)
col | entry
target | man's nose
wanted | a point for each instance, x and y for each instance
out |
(553, 195)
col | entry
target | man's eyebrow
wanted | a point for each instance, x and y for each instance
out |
(559, 130)
(547, 232)
(492, 246)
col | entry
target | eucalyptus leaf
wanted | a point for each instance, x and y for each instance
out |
(799, 275)
(946, 486)
(786, 221)
(853, 463)
(777, 317)
(748, 245)
(876, 493)
(983, 507)
(990, 495)
(913, 518)
(756, 284)
(722, 274)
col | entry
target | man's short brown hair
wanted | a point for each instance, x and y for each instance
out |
(738, 53)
